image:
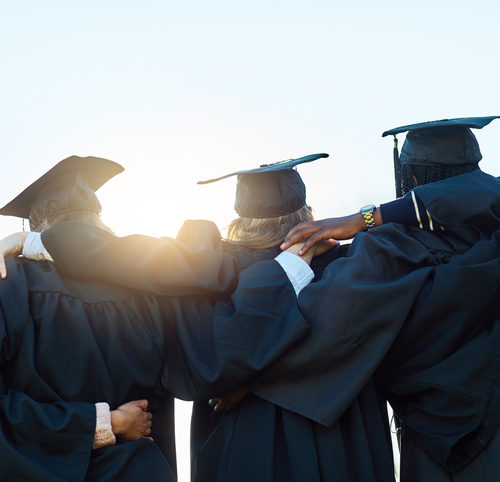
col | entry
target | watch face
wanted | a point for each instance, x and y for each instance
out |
(367, 209)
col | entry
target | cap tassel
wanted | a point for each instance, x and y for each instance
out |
(397, 168)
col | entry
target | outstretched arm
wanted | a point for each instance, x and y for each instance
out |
(193, 263)
(332, 228)
(408, 210)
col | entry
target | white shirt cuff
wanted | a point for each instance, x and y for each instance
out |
(298, 271)
(33, 248)
(103, 431)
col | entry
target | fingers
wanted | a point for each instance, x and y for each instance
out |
(293, 231)
(146, 428)
(143, 423)
(292, 239)
(298, 235)
(315, 238)
(141, 404)
(217, 404)
(228, 402)
(131, 420)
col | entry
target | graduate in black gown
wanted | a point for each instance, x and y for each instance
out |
(258, 440)
(66, 345)
(41, 440)
(322, 381)
(426, 315)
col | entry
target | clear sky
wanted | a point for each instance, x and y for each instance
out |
(182, 91)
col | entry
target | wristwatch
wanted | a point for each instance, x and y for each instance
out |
(367, 213)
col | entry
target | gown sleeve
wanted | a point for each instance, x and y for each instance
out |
(40, 441)
(363, 300)
(469, 199)
(215, 346)
(45, 441)
(442, 373)
(428, 332)
(352, 324)
(410, 211)
(192, 263)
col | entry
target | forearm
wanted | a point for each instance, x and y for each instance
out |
(355, 223)
(194, 263)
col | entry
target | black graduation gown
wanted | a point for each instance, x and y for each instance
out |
(433, 298)
(65, 345)
(259, 440)
(363, 301)
(357, 448)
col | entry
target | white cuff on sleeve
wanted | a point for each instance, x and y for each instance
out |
(298, 271)
(33, 248)
(103, 431)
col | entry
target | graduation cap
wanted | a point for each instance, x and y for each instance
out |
(270, 190)
(69, 186)
(447, 142)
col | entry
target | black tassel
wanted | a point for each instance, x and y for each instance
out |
(397, 169)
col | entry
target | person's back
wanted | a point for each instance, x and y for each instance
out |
(440, 375)
(423, 302)
(71, 341)
(260, 440)
(68, 343)
(442, 363)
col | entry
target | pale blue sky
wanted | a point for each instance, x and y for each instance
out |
(181, 92)
(178, 92)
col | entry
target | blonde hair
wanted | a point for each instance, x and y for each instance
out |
(262, 233)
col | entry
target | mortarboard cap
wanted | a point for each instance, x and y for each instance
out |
(69, 185)
(472, 122)
(270, 190)
(446, 141)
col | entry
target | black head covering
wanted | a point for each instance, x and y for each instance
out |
(270, 190)
(448, 145)
(69, 186)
